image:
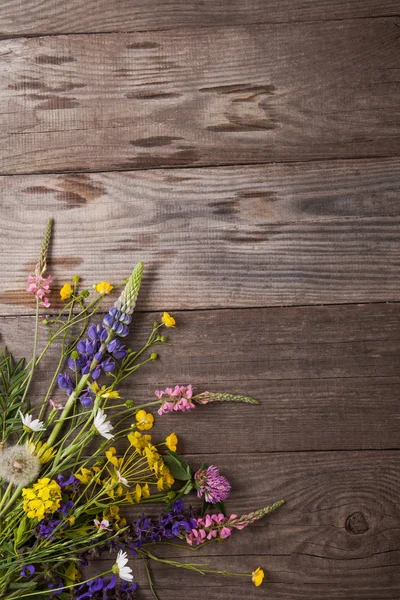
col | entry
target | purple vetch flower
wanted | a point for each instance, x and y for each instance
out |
(66, 508)
(27, 571)
(211, 486)
(72, 481)
(46, 528)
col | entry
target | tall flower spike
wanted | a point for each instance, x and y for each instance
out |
(127, 300)
(119, 316)
(42, 264)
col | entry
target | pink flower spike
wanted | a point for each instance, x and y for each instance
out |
(225, 532)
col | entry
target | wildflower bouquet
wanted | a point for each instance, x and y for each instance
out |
(68, 470)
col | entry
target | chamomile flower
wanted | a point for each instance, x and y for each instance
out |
(31, 424)
(102, 426)
(120, 567)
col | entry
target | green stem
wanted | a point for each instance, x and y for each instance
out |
(35, 341)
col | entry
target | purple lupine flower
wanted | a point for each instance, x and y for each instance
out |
(211, 486)
(118, 321)
(64, 381)
(27, 571)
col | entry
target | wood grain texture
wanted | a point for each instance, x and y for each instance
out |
(74, 16)
(339, 526)
(250, 94)
(326, 377)
(258, 236)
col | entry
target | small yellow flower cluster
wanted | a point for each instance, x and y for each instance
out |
(144, 447)
(44, 497)
(86, 475)
(139, 493)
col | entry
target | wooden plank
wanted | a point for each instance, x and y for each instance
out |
(140, 15)
(339, 526)
(207, 96)
(267, 235)
(327, 378)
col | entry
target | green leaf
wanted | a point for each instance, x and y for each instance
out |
(179, 468)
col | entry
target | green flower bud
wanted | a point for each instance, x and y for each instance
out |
(163, 338)
(129, 404)
(153, 355)
(155, 324)
(45, 322)
(85, 293)
(75, 279)
(74, 355)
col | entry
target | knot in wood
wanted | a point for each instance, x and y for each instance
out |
(356, 523)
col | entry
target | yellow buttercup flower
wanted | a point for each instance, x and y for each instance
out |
(257, 576)
(144, 420)
(66, 291)
(168, 320)
(171, 442)
(43, 498)
(104, 287)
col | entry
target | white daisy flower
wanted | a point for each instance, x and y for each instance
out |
(120, 567)
(103, 525)
(122, 479)
(32, 424)
(102, 425)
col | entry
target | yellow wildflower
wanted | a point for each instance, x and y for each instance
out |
(85, 475)
(257, 576)
(171, 442)
(66, 291)
(114, 460)
(145, 491)
(144, 420)
(71, 520)
(40, 449)
(168, 320)
(103, 391)
(139, 441)
(104, 287)
(44, 497)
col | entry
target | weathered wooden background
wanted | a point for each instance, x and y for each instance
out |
(248, 152)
